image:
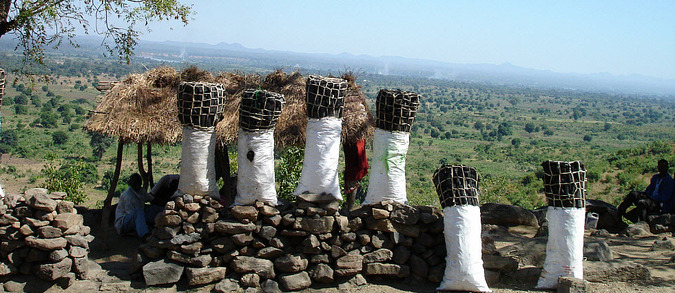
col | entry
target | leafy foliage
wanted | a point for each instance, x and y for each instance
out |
(68, 181)
(288, 171)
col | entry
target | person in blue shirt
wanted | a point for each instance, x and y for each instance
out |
(656, 199)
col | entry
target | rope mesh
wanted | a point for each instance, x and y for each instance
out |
(2, 85)
(396, 109)
(325, 96)
(456, 185)
(259, 109)
(565, 183)
(200, 104)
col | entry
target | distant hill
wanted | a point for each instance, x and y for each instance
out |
(228, 56)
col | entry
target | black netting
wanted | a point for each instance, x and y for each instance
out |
(259, 109)
(565, 183)
(456, 185)
(200, 104)
(396, 109)
(325, 96)
(2, 85)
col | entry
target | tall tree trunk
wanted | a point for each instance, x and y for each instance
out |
(149, 159)
(111, 192)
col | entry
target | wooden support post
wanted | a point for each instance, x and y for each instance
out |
(107, 203)
(149, 159)
(141, 169)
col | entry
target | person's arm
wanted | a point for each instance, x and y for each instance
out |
(652, 185)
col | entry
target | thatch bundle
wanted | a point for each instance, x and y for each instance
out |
(290, 130)
(140, 109)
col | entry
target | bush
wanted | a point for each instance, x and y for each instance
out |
(60, 137)
(288, 171)
(69, 182)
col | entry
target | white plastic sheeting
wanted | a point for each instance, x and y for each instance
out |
(322, 154)
(197, 169)
(255, 175)
(463, 263)
(387, 171)
(565, 246)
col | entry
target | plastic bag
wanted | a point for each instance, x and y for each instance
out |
(198, 170)
(387, 172)
(463, 262)
(565, 246)
(322, 154)
(255, 175)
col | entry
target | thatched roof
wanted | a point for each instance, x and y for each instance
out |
(143, 107)
(290, 130)
(140, 109)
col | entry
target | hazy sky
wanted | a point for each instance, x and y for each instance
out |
(618, 37)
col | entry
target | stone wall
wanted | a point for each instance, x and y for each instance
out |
(44, 235)
(294, 245)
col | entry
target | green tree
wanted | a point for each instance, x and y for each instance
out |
(530, 127)
(41, 24)
(288, 171)
(68, 181)
(20, 110)
(59, 137)
(99, 143)
(8, 141)
(588, 138)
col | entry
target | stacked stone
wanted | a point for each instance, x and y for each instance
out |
(42, 234)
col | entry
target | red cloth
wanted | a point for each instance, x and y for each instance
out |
(356, 162)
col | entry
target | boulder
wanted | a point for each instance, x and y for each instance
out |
(663, 244)
(316, 198)
(295, 282)
(507, 215)
(66, 221)
(247, 264)
(405, 214)
(245, 212)
(322, 273)
(291, 263)
(162, 272)
(46, 244)
(386, 269)
(202, 276)
(597, 251)
(639, 229)
(41, 202)
(380, 255)
(615, 271)
(231, 227)
(227, 285)
(53, 271)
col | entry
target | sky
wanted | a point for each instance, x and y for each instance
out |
(616, 37)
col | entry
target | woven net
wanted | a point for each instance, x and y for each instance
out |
(2, 85)
(200, 104)
(565, 183)
(325, 96)
(259, 109)
(396, 109)
(456, 185)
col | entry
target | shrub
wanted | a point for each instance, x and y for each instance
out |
(288, 171)
(68, 182)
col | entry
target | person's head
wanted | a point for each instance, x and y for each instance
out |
(135, 181)
(662, 166)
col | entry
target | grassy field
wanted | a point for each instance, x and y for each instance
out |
(504, 132)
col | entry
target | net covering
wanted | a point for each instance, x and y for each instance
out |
(325, 96)
(456, 185)
(259, 109)
(565, 183)
(396, 109)
(200, 104)
(2, 85)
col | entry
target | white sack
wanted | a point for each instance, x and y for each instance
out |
(463, 262)
(565, 246)
(322, 154)
(387, 170)
(197, 167)
(255, 178)
(2, 192)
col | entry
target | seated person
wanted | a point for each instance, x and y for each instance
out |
(132, 215)
(164, 189)
(656, 199)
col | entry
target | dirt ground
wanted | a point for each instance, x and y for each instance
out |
(113, 276)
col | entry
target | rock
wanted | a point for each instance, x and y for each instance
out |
(46, 244)
(427, 218)
(191, 207)
(223, 245)
(407, 230)
(247, 264)
(35, 223)
(291, 263)
(405, 214)
(26, 230)
(42, 202)
(66, 221)
(619, 271)
(269, 211)
(401, 255)
(504, 264)
(311, 211)
(317, 226)
(77, 240)
(242, 239)
(663, 244)
(201, 260)
(337, 252)
(270, 286)
(348, 265)
(76, 251)
(35, 191)
(380, 255)
(608, 215)
(202, 276)
(597, 251)
(295, 282)
(391, 270)
(250, 280)
(384, 225)
(316, 198)
(322, 273)
(331, 208)
(7, 269)
(380, 213)
(527, 274)
(320, 258)
(639, 229)
(162, 272)
(168, 220)
(227, 285)
(418, 266)
(245, 212)
(53, 271)
(58, 255)
(229, 227)
(65, 207)
(273, 220)
(601, 233)
(13, 286)
(58, 195)
(491, 277)
(572, 285)
(67, 280)
(7, 219)
(267, 232)
(116, 286)
(181, 239)
(507, 215)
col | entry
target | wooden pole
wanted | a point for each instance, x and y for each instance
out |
(149, 159)
(141, 169)
(111, 192)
